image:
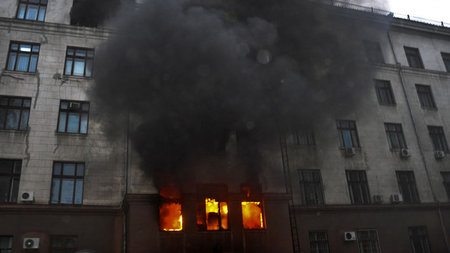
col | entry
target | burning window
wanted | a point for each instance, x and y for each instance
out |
(213, 215)
(170, 216)
(252, 215)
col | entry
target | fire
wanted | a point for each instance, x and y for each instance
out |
(170, 218)
(252, 215)
(216, 214)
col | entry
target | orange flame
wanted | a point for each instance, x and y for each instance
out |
(252, 216)
(170, 218)
(215, 212)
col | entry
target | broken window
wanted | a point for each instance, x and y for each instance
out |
(9, 180)
(407, 186)
(395, 136)
(67, 183)
(252, 215)
(373, 52)
(446, 59)
(318, 242)
(212, 208)
(418, 237)
(23, 56)
(425, 96)
(63, 243)
(348, 135)
(384, 92)
(73, 117)
(358, 186)
(170, 216)
(438, 137)
(14, 113)
(79, 62)
(32, 9)
(311, 189)
(413, 57)
(368, 241)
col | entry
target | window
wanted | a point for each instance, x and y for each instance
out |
(446, 59)
(79, 62)
(368, 241)
(318, 242)
(425, 96)
(304, 138)
(14, 113)
(170, 216)
(446, 178)
(73, 117)
(63, 244)
(438, 137)
(32, 9)
(384, 92)
(419, 239)
(67, 183)
(358, 187)
(373, 52)
(252, 215)
(9, 180)
(413, 57)
(212, 208)
(311, 189)
(6, 244)
(22, 56)
(348, 136)
(407, 186)
(395, 136)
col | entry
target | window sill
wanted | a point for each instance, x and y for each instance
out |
(76, 78)
(16, 72)
(24, 132)
(70, 134)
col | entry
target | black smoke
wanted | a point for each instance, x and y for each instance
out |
(189, 74)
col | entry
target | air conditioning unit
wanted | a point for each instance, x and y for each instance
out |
(74, 105)
(349, 151)
(439, 154)
(349, 236)
(27, 197)
(31, 243)
(396, 198)
(405, 153)
(378, 199)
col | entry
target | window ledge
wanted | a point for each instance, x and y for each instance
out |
(11, 73)
(76, 78)
(70, 134)
(23, 132)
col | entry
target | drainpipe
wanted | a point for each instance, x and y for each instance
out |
(125, 215)
(422, 156)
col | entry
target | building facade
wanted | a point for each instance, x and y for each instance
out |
(375, 180)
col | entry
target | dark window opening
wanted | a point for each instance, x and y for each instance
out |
(446, 181)
(358, 186)
(407, 186)
(394, 133)
(425, 96)
(311, 189)
(446, 59)
(9, 180)
(23, 56)
(79, 62)
(67, 183)
(418, 237)
(6, 244)
(373, 52)
(384, 92)
(32, 9)
(368, 241)
(14, 113)
(413, 57)
(73, 117)
(438, 138)
(63, 244)
(92, 13)
(318, 242)
(304, 138)
(348, 135)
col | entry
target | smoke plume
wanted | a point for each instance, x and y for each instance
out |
(190, 73)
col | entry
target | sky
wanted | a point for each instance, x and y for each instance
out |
(438, 10)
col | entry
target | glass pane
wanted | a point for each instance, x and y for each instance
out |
(67, 191)
(15, 190)
(26, 103)
(32, 12)
(80, 169)
(55, 191)
(62, 122)
(70, 52)
(41, 13)
(4, 188)
(12, 61)
(80, 52)
(5, 242)
(22, 63)
(73, 123)
(5, 166)
(69, 169)
(347, 139)
(2, 118)
(17, 167)
(79, 192)
(90, 53)
(12, 120)
(84, 123)
(64, 105)
(24, 120)
(35, 48)
(34, 1)
(57, 169)
(25, 48)
(15, 46)
(85, 107)
(78, 69)
(89, 66)
(21, 12)
(68, 67)
(3, 101)
(33, 63)
(15, 101)
(43, 1)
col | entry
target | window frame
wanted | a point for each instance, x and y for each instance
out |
(419, 233)
(362, 184)
(318, 242)
(13, 176)
(27, 3)
(384, 87)
(425, 95)
(317, 185)
(21, 108)
(11, 237)
(30, 54)
(61, 177)
(85, 59)
(438, 139)
(68, 250)
(409, 184)
(396, 133)
(446, 60)
(79, 112)
(375, 243)
(351, 127)
(413, 52)
(218, 192)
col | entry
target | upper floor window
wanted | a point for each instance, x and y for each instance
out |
(73, 117)
(14, 113)
(212, 207)
(425, 96)
(368, 241)
(9, 180)
(373, 52)
(304, 138)
(79, 62)
(438, 137)
(348, 135)
(384, 92)
(418, 237)
(318, 242)
(446, 178)
(6, 244)
(358, 186)
(63, 243)
(311, 189)
(395, 136)
(67, 183)
(407, 185)
(413, 57)
(446, 59)
(23, 56)
(32, 9)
